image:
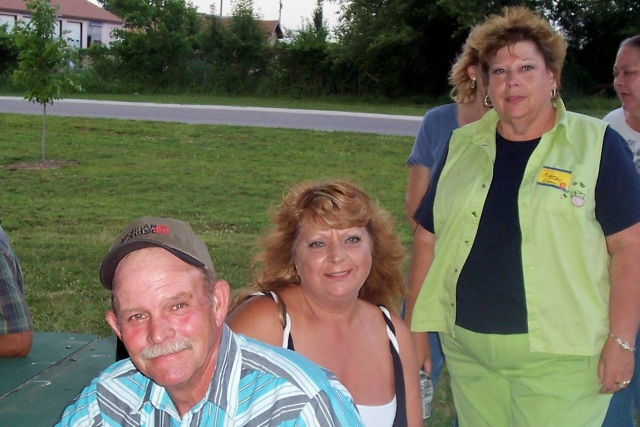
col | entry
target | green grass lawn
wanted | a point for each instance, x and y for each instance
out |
(219, 179)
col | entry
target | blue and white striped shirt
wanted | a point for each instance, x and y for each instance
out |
(253, 385)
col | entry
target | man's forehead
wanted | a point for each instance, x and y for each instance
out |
(151, 267)
(155, 256)
(147, 252)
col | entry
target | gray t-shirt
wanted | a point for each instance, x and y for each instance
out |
(618, 123)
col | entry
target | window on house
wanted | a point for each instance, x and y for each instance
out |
(94, 33)
(9, 21)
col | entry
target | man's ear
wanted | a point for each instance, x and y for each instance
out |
(112, 320)
(221, 293)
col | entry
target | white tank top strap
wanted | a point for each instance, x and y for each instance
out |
(287, 320)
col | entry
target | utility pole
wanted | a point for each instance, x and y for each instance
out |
(280, 13)
(220, 8)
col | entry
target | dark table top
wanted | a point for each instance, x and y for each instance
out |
(34, 390)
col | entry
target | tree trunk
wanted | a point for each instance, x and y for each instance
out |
(44, 130)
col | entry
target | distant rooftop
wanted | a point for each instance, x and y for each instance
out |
(69, 9)
(270, 27)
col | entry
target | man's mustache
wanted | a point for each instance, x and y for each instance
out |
(165, 349)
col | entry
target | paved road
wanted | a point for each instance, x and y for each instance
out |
(385, 124)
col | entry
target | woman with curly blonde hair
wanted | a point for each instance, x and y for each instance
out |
(328, 288)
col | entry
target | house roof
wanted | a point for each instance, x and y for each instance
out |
(269, 27)
(69, 9)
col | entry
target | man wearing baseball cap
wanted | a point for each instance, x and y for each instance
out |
(186, 366)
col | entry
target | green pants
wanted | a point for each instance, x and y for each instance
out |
(498, 382)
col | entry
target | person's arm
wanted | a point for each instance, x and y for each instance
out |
(16, 336)
(417, 186)
(16, 345)
(411, 369)
(423, 246)
(617, 196)
(420, 161)
(259, 318)
(616, 364)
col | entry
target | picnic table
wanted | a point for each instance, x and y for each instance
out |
(34, 390)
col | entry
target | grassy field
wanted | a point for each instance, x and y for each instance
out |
(220, 179)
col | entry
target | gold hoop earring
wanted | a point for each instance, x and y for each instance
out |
(473, 83)
(554, 93)
(487, 101)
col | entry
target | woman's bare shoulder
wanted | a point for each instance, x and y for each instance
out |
(402, 330)
(258, 317)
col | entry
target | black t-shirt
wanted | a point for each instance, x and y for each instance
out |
(490, 292)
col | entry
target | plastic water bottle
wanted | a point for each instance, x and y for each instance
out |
(427, 394)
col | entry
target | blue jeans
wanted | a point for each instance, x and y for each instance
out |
(437, 358)
(620, 413)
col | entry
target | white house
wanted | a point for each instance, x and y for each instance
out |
(82, 22)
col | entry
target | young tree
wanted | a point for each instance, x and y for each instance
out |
(42, 62)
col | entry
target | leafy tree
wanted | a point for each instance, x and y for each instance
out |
(157, 41)
(306, 63)
(8, 50)
(43, 60)
(212, 42)
(319, 25)
(247, 45)
(395, 48)
(400, 47)
(594, 30)
(470, 12)
(237, 47)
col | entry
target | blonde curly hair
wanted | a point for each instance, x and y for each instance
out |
(464, 88)
(518, 24)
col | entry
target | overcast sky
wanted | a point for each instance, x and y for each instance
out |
(294, 12)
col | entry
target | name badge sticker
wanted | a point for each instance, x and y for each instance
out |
(553, 177)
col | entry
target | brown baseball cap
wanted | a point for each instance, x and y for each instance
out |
(171, 234)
